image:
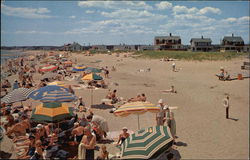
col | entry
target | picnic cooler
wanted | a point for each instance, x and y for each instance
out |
(240, 77)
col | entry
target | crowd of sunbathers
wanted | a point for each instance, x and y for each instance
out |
(36, 141)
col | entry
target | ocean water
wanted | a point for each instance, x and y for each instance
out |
(5, 54)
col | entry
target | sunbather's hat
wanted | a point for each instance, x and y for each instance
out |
(124, 128)
(80, 97)
(165, 107)
(76, 124)
(39, 126)
(160, 101)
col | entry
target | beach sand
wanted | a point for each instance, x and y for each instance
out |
(203, 130)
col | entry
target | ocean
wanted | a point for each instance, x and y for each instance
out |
(5, 54)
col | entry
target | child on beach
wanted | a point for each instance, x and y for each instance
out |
(104, 153)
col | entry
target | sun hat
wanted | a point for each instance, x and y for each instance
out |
(160, 101)
(39, 126)
(124, 128)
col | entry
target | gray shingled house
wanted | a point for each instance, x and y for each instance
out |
(232, 43)
(201, 44)
(168, 42)
(72, 47)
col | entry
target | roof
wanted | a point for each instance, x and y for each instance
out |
(167, 37)
(233, 39)
(201, 40)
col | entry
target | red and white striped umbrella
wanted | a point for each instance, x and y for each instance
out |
(48, 68)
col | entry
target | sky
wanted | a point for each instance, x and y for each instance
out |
(30, 23)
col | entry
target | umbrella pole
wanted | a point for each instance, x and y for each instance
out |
(91, 97)
(138, 118)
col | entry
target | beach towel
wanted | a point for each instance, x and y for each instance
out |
(81, 151)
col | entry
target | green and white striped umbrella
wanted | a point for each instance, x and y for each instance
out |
(147, 143)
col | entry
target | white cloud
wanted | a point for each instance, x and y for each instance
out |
(183, 9)
(210, 10)
(115, 4)
(163, 5)
(72, 17)
(32, 32)
(128, 13)
(89, 11)
(25, 12)
(244, 19)
(230, 20)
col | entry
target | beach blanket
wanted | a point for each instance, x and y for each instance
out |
(81, 151)
(173, 107)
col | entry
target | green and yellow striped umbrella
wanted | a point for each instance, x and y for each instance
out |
(147, 143)
(51, 112)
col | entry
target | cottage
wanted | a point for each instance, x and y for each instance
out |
(232, 44)
(168, 42)
(73, 47)
(201, 44)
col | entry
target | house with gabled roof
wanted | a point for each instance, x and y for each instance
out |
(232, 43)
(168, 42)
(201, 44)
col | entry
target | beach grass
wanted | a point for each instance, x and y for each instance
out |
(188, 55)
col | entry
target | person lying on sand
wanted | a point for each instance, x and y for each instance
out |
(171, 90)
(139, 97)
(18, 129)
(135, 99)
(143, 98)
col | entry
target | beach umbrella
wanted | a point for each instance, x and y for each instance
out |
(68, 63)
(93, 70)
(79, 68)
(57, 83)
(17, 95)
(49, 75)
(58, 96)
(48, 68)
(147, 143)
(31, 58)
(92, 76)
(53, 93)
(51, 112)
(136, 108)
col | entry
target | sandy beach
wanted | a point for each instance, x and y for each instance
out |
(203, 130)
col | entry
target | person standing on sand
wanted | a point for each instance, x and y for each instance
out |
(161, 114)
(173, 67)
(87, 145)
(226, 105)
(171, 122)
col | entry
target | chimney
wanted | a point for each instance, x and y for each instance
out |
(170, 34)
(232, 34)
(201, 37)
